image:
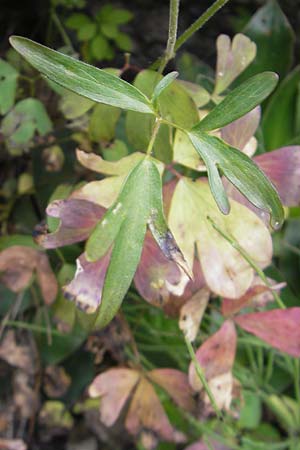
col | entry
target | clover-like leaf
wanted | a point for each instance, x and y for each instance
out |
(243, 173)
(8, 86)
(239, 101)
(123, 227)
(233, 58)
(225, 270)
(278, 327)
(88, 81)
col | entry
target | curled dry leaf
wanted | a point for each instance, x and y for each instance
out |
(232, 59)
(215, 356)
(17, 355)
(225, 270)
(278, 327)
(258, 295)
(26, 398)
(56, 381)
(77, 219)
(191, 313)
(85, 289)
(19, 263)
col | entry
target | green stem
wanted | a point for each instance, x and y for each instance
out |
(210, 12)
(61, 30)
(173, 25)
(153, 136)
(202, 378)
(32, 327)
(249, 260)
(297, 380)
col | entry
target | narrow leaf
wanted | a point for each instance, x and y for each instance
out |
(239, 101)
(79, 77)
(163, 84)
(241, 171)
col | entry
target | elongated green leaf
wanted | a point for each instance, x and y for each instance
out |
(241, 171)
(239, 101)
(279, 118)
(8, 86)
(82, 78)
(163, 84)
(123, 228)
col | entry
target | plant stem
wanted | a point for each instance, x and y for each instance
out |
(33, 327)
(61, 30)
(250, 261)
(202, 378)
(210, 12)
(173, 24)
(153, 136)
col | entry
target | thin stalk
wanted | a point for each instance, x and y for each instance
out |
(32, 327)
(61, 30)
(249, 260)
(173, 25)
(153, 136)
(210, 12)
(297, 380)
(202, 378)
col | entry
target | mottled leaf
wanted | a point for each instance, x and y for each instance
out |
(192, 312)
(239, 133)
(225, 270)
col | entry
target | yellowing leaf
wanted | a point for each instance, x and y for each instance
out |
(226, 272)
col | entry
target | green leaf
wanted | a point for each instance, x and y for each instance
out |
(87, 32)
(83, 79)
(23, 120)
(163, 84)
(100, 47)
(8, 86)
(239, 101)
(273, 35)
(123, 227)
(116, 16)
(279, 118)
(103, 123)
(73, 105)
(241, 171)
(123, 41)
(110, 31)
(77, 21)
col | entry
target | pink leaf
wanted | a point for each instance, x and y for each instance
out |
(279, 327)
(282, 166)
(238, 133)
(114, 388)
(216, 355)
(176, 384)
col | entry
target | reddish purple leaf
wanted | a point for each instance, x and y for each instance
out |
(200, 445)
(157, 277)
(238, 133)
(279, 327)
(282, 166)
(216, 355)
(86, 287)
(78, 217)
